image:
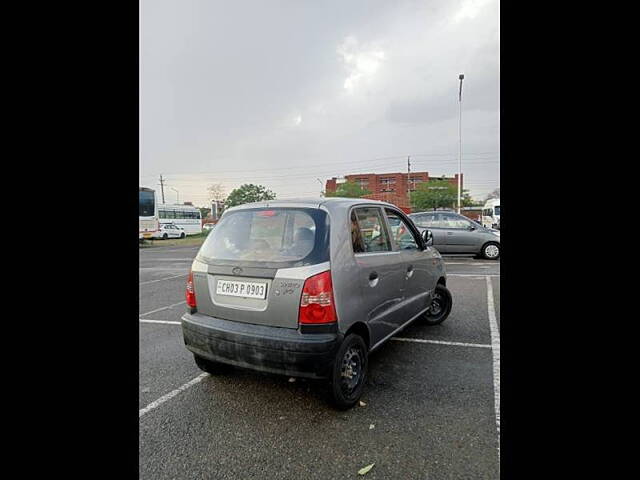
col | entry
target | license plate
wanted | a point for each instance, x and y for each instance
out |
(234, 288)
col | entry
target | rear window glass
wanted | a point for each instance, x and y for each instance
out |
(263, 235)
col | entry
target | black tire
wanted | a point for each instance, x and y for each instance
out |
(352, 358)
(165, 236)
(440, 307)
(489, 249)
(214, 368)
(182, 235)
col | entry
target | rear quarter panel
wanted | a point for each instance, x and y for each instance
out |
(346, 290)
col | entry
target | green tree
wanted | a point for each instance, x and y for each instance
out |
(349, 190)
(434, 194)
(204, 212)
(439, 194)
(248, 193)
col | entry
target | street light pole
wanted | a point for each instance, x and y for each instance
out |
(177, 193)
(460, 77)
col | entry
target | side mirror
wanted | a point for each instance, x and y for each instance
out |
(427, 236)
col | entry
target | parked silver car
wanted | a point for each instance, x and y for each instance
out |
(309, 288)
(455, 233)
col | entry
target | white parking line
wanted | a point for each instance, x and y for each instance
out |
(163, 308)
(440, 342)
(166, 322)
(495, 350)
(163, 279)
(468, 263)
(172, 394)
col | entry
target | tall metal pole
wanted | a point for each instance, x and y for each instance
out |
(177, 193)
(408, 180)
(460, 77)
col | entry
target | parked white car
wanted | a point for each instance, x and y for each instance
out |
(169, 230)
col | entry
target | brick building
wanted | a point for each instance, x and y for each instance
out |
(390, 187)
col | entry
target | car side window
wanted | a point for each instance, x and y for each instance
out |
(453, 221)
(424, 220)
(401, 232)
(356, 238)
(373, 233)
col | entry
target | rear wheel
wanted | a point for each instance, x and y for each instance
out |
(491, 251)
(165, 236)
(349, 372)
(182, 235)
(209, 366)
(440, 308)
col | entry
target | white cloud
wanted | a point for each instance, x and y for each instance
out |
(361, 61)
(470, 10)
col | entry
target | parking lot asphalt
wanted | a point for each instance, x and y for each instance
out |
(431, 397)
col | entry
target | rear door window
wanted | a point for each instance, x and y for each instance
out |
(372, 230)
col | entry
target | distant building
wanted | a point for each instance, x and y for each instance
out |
(390, 187)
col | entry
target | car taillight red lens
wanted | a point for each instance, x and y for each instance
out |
(316, 304)
(190, 292)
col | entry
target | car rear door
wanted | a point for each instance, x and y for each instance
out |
(460, 237)
(417, 266)
(379, 272)
(252, 266)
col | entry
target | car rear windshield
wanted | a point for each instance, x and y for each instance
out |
(265, 236)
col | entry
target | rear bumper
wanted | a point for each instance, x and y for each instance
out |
(257, 347)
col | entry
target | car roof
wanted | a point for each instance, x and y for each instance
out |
(436, 211)
(313, 202)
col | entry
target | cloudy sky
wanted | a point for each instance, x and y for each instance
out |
(283, 93)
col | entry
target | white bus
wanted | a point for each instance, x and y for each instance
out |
(185, 216)
(148, 213)
(491, 214)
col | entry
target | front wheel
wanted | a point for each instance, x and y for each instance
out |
(349, 372)
(491, 251)
(165, 236)
(182, 235)
(440, 308)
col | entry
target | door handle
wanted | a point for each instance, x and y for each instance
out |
(373, 279)
(409, 272)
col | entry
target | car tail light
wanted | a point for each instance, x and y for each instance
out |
(316, 304)
(190, 292)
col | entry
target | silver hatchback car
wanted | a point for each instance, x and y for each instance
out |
(455, 233)
(310, 288)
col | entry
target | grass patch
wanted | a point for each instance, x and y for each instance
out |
(188, 241)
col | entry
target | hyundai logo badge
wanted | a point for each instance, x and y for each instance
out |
(236, 270)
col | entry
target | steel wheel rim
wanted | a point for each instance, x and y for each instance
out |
(492, 251)
(436, 306)
(351, 370)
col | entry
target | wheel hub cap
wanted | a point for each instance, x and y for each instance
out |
(492, 251)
